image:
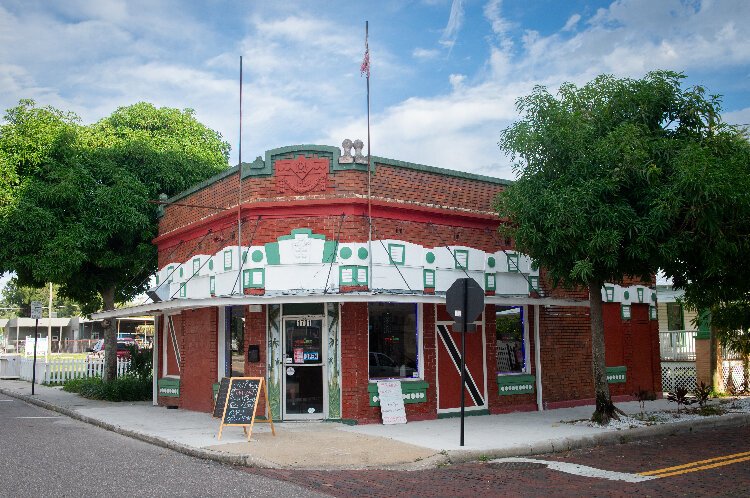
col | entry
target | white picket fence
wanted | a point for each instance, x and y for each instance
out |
(58, 370)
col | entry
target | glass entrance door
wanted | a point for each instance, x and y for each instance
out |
(303, 368)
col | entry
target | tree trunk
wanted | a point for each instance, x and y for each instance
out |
(745, 373)
(110, 337)
(605, 410)
(715, 361)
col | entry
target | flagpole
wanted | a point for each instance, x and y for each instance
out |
(239, 191)
(369, 157)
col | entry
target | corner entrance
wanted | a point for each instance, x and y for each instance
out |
(303, 368)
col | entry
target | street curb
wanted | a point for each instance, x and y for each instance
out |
(225, 458)
(602, 439)
(444, 457)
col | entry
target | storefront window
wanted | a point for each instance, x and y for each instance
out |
(393, 341)
(511, 340)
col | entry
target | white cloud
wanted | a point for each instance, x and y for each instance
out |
(455, 21)
(424, 53)
(572, 22)
(456, 81)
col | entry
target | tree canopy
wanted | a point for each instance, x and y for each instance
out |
(75, 204)
(614, 180)
(14, 297)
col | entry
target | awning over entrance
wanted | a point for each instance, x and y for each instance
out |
(177, 305)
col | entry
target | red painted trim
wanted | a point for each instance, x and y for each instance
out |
(328, 207)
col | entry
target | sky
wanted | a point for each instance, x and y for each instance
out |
(445, 75)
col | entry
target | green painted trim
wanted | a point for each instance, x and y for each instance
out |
(609, 293)
(366, 280)
(157, 279)
(264, 167)
(491, 262)
(362, 253)
(652, 314)
(181, 271)
(639, 291)
(489, 281)
(247, 278)
(355, 280)
(211, 264)
(616, 375)
(457, 259)
(469, 413)
(508, 385)
(168, 387)
(533, 283)
(345, 252)
(403, 254)
(329, 251)
(626, 295)
(429, 257)
(230, 259)
(704, 325)
(347, 268)
(435, 170)
(513, 264)
(301, 231)
(183, 290)
(170, 273)
(626, 312)
(413, 391)
(196, 265)
(273, 256)
(257, 256)
(425, 281)
(205, 183)
(212, 284)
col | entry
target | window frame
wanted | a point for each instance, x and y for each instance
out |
(419, 310)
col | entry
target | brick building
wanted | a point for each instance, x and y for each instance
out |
(282, 275)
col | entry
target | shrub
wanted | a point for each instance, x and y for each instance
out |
(128, 387)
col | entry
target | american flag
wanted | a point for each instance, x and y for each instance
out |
(365, 67)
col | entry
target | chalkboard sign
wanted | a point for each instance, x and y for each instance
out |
(221, 397)
(240, 402)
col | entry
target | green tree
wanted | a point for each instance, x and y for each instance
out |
(14, 296)
(732, 324)
(592, 163)
(79, 212)
(708, 203)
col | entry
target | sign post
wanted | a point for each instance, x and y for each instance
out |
(464, 302)
(36, 314)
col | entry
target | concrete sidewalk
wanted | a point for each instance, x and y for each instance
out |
(325, 445)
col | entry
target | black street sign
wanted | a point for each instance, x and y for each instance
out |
(465, 302)
(464, 293)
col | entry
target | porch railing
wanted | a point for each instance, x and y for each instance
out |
(677, 345)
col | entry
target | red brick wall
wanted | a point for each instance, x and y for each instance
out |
(388, 183)
(355, 366)
(565, 340)
(256, 334)
(354, 363)
(198, 348)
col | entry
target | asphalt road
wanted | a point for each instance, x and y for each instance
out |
(713, 462)
(43, 453)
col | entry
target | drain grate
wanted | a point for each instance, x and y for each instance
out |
(517, 465)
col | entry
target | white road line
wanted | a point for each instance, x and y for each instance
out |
(36, 417)
(9, 400)
(581, 470)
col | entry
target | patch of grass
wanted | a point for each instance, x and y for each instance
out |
(709, 410)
